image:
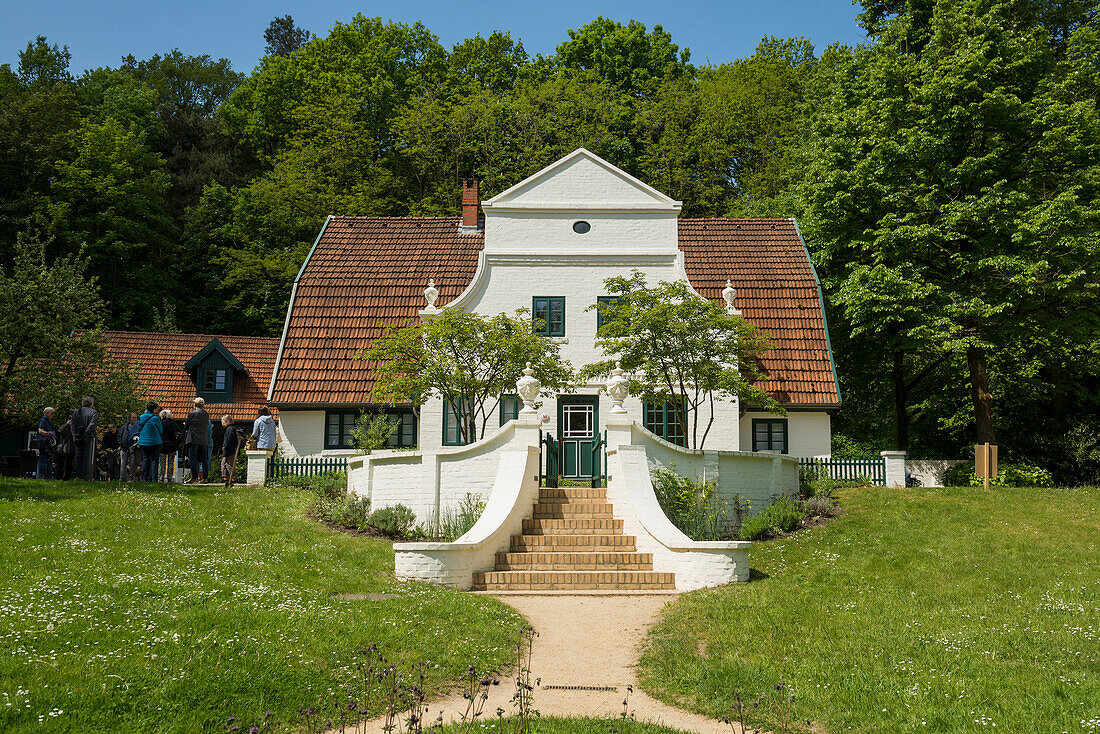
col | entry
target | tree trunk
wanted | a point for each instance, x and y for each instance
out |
(979, 391)
(901, 399)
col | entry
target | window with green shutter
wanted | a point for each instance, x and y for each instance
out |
(453, 435)
(338, 425)
(509, 408)
(548, 315)
(600, 301)
(663, 417)
(769, 434)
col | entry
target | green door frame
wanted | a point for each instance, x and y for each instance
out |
(576, 452)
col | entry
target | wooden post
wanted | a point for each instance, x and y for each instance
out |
(985, 462)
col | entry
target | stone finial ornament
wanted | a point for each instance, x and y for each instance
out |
(431, 293)
(728, 294)
(616, 387)
(528, 387)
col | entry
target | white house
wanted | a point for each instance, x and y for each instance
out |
(546, 244)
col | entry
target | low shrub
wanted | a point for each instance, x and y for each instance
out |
(820, 506)
(694, 506)
(814, 481)
(1008, 475)
(395, 521)
(844, 447)
(349, 511)
(782, 516)
(329, 485)
(455, 521)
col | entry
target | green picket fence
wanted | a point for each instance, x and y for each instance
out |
(848, 469)
(305, 466)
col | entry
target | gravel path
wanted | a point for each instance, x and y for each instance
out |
(584, 641)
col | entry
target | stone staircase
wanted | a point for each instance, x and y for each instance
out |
(571, 543)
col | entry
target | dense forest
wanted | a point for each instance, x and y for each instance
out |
(945, 174)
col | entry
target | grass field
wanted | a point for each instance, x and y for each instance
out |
(147, 608)
(919, 610)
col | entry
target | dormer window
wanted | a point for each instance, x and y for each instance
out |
(213, 370)
(214, 380)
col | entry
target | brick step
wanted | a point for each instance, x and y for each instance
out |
(572, 509)
(572, 494)
(590, 561)
(573, 526)
(573, 543)
(572, 580)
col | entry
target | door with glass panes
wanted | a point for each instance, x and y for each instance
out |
(578, 418)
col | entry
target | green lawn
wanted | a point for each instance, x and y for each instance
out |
(919, 610)
(143, 607)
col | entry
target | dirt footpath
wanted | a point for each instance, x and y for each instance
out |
(584, 642)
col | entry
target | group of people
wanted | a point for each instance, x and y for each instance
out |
(146, 447)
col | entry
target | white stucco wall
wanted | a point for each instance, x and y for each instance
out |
(809, 433)
(304, 430)
(755, 478)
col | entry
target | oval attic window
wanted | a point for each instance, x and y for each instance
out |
(581, 227)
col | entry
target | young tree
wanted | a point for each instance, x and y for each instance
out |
(467, 359)
(677, 346)
(952, 185)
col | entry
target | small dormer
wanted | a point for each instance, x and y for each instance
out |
(213, 370)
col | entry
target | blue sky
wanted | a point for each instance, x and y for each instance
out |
(99, 33)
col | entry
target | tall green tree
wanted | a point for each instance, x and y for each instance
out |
(952, 189)
(630, 58)
(111, 199)
(283, 37)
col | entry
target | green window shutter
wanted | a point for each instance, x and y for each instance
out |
(452, 433)
(769, 434)
(600, 301)
(509, 408)
(548, 315)
(662, 417)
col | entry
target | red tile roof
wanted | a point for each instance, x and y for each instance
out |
(368, 272)
(364, 274)
(161, 357)
(777, 292)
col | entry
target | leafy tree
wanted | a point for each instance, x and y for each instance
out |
(680, 347)
(283, 37)
(43, 65)
(631, 59)
(36, 134)
(467, 359)
(111, 198)
(192, 140)
(41, 304)
(953, 187)
(492, 63)
(377, 66)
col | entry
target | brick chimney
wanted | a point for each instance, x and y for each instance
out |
(471, 204)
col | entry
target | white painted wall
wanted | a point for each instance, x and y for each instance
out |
(809, 433)
(303, 430)
(755, 478)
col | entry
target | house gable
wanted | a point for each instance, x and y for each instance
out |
(581, 181)
(581, 205)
